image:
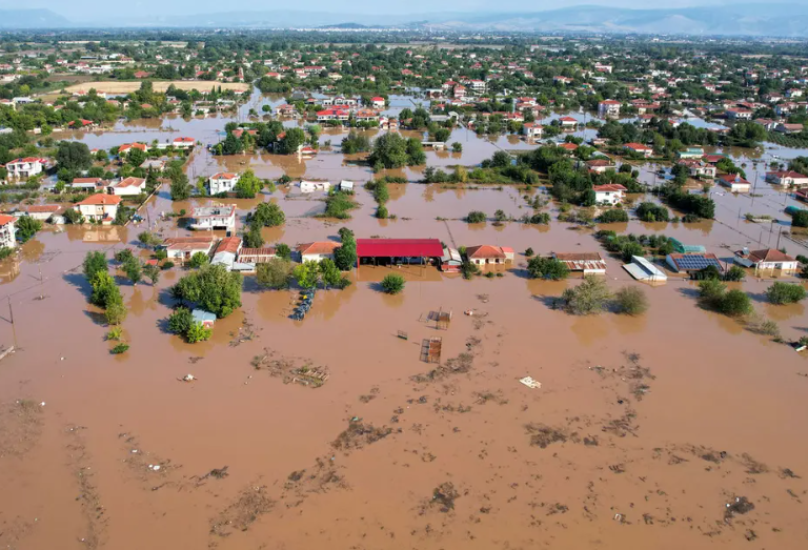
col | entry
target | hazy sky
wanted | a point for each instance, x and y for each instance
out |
(92, 9)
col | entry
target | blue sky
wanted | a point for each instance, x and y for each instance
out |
(87, 9)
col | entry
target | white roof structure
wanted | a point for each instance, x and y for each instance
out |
(643, 270)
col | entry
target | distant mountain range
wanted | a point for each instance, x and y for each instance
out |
(783, 20)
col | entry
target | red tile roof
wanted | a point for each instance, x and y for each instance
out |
(769, 255)
(6, 219)
(485, 251)
(100, 199)
(319, 247)
(229, 244)
(609, 187)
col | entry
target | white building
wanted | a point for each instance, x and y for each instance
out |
(346, 185)
(609, 108)
(99, 208)
(767, 259)
(312, 186)
(317, 251)
(611, 193)
(533, 130)
(24, 168)
(223, 182)
(183, 248)
(214, 217)
(129, 187)
(8, 231)
(184, 143)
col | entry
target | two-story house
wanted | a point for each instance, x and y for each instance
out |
(100, 208)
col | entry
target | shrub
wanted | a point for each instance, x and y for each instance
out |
(119, 349)
(785, 293)
(613, 216)
(528, 252)
(275, 274)
(381, 212)
(167, 264)
(180, 321)
(800, 218)
(197, 332)
(735, 303)
(650, 212)
(591, 296)
(476, 217)
(631, 300)
(547, 268)
(393, 283)
(115, 333)
(735, 273)
(630, 249)
(711, 292)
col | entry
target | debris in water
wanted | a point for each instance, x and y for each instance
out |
(530, 383)
(740, 505)
(543, 436)
(444, 496)
(188, 378)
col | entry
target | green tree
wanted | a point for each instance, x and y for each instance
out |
(136, 157)
(275, 274)
(198, 260)
(115, 311)
(248, 185)
(180, 188)
(294, 138)
(711, 292)
(103, 287)
(268, 214)
(197, 332)
(133, 270)
(212, 288)
(180, 321)
(389, 151)
(476, 217)
(330, 273)
(547, 268)
(73, 156)
(591, 296)
(152, 272)
(283, 251)
(393, 283)
(253, 237)
(94, 262)
(307, 274)
(27, 227)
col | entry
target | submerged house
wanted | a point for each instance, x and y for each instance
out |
(451, 260)
(487, 254)
(214, 217)
(766, 259)
(183, 248)
(223, 182)
(317, 251)
(589, 263)
(643, 270)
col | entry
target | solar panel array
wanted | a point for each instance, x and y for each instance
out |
(694, 262)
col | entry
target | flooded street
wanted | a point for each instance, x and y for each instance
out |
(643, 432)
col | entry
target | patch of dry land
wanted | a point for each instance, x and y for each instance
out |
(113, 87)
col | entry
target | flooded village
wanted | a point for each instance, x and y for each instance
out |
(264, 292)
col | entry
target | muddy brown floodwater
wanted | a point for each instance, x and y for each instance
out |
(679, 428)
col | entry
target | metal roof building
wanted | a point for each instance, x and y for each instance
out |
(399, 248)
